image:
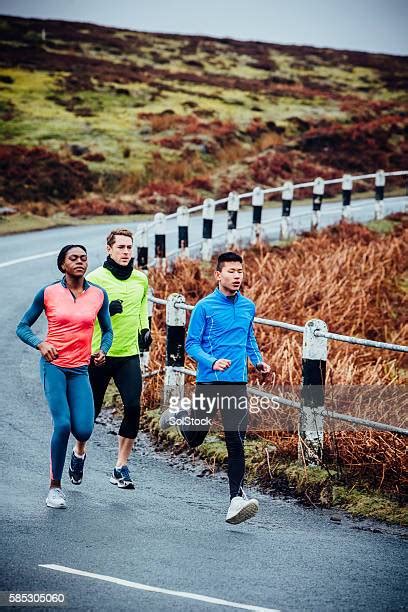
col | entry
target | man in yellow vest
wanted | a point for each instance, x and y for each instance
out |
(127, 293)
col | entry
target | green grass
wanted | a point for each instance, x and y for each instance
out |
(383, 226)
(115, 129)
(40, 121)
(315, 485)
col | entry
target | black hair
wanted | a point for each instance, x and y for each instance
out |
(64, 251)
(227, 258)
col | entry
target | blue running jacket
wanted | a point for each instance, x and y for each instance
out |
(221, 327)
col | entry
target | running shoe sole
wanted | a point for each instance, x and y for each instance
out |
(244, 514)
(121, 484)
(72, 477)
(55, 507)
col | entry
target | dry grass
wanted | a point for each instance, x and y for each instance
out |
(350, 277)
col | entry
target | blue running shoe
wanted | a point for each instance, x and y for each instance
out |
(76, 469)
(121, 478)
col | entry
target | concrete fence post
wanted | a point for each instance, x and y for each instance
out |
(142, 238)
(175, 352)
(208, 225)
(346, 188)
(379, 194)
(257, 204)
(160, 240)
(318, 193)
(287, 198)
(145, 354)
(314, 358)
(232, 207)
(183, 220)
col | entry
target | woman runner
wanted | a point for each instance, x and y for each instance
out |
(71, 306)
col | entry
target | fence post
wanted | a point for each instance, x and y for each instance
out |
(232, 207)
(183, 219)
(314, 357)
(346, 187)
(379, 194)
(208, 223)
(145, 354)
(175, 352)
(287, 197)
(142, 247)
(257, 204)
(318, 192)
(160, 240)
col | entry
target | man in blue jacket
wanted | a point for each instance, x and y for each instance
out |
(220, 338)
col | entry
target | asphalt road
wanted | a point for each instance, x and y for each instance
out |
(167, 540)
(93, 236)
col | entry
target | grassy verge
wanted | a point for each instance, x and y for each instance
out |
(314, 485)
(26, 222)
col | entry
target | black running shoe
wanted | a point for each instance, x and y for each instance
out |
(121, 478)
(76, 469)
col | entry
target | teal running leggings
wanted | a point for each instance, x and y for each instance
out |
(69, 396)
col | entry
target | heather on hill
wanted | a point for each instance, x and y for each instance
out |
(100, 120)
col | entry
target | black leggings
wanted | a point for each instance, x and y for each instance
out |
(127, 375)
(235, 423)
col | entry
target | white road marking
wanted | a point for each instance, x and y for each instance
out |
(145, 587)
(12, 262)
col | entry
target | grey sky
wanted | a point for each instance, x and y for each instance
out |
(365, 25)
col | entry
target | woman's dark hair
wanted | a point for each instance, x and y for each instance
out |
(228, 258)
(64, 251)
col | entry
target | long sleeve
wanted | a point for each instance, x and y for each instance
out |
(144, 319)
(252, 349)
(105, 323)
(195, 335)
(24, 331)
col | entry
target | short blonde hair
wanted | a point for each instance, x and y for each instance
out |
(120, 231)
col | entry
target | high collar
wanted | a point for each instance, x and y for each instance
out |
(118, 271)
(227, 299)
(64, 283)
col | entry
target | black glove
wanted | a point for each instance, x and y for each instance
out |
(115, 307)
(145, 340)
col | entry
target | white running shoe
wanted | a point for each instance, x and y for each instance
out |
(56, 498)
(241, 509)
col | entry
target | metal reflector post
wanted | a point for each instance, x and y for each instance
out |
(142, 238)
(346, 188)
(208, 224)
(379, 194)
(318, 192)
(232, 207)
(160, 240)
(183, 219)
(287, 197)
(175, 353)
(257, 204)
(314, 358)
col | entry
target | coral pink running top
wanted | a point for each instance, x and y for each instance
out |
(70, 321)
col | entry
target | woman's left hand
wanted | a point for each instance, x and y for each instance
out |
(99, 358)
